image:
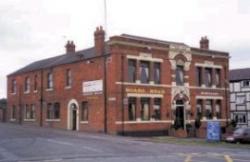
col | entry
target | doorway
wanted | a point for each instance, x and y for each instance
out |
(179, 114)
(73, 115)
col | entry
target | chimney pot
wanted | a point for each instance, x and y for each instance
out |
(204, 43)
(70, 47)
(99, 35)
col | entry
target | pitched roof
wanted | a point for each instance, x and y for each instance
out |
(59, 60)
(239, 74)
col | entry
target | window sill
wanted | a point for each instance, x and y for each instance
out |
(49, 89)
(13, 94)
(29, 120)
(53, 120)
(12, 120)
(68, 87)
(84, 122)
(26, 92)
(35, 91)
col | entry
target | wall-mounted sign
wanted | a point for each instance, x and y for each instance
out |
(92, 87)
(210, 93)
(146, 91)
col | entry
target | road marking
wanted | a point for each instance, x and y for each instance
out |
(188, 158)
(228, 158)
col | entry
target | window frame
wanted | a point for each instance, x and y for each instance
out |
(84, 111)
(132, 66)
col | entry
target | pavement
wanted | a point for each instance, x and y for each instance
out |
(33, 144)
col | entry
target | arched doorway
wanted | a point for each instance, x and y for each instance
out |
(180, 114)
(73, 115)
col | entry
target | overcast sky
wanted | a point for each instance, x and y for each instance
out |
(35, 29)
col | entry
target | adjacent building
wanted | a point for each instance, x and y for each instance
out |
(127, 85)
(240, 96)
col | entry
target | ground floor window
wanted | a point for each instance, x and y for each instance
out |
(218, 109)
(145, 109)
(132, 109)
(53, 111)
(240, 118)
(208, 107)
(84, 111)
(29, 111)
(157, 109)
(13, 112)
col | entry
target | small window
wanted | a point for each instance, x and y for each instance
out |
(240, 99)
(157, 73)
(84, 111)
(13, 86)
(144, 71)
(198, 76)
(49, 80)
(131, 70)
(240, 118)
(35, 83)
(179, 74)
(13, 112)
(132, 109)
(144, 108)
(208, 106)
(27, 84)
(157, 109)
(246, 83)
(68, 78)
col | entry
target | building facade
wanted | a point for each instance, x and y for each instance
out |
(127, 85)
(240, 96)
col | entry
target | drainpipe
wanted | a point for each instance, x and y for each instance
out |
(122, 91)
(41, 100)
(105, 93)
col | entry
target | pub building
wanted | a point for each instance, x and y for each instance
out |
(127, 85)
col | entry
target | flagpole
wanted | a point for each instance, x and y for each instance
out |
(105, 19)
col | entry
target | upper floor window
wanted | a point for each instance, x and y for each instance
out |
(246, 83)
(50, 80)
(131, 70)
(157, 73)
(13, 86)
(35, 83)
(132, 109)
(68, 78)
(217, 77)
(208, 77)
(198, 76)
(27, 84)
(84, 111)
(144, 71)
(179, 75)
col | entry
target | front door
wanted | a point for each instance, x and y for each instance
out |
(74, 119)
(179, 114)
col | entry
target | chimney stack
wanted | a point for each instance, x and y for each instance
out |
(204, 43)
(99, 41)
(70, 47)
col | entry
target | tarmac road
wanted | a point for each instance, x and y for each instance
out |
(30, 144)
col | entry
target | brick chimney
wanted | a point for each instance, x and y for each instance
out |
(99, 41)
(204, 43)
(70, 47)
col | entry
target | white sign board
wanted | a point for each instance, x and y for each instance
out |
(92, 87)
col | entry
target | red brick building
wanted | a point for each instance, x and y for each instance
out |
(127, 84)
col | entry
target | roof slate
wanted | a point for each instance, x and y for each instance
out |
(239, 74)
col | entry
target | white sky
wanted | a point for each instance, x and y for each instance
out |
(34, 29)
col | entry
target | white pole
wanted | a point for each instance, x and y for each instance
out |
(105, 19)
